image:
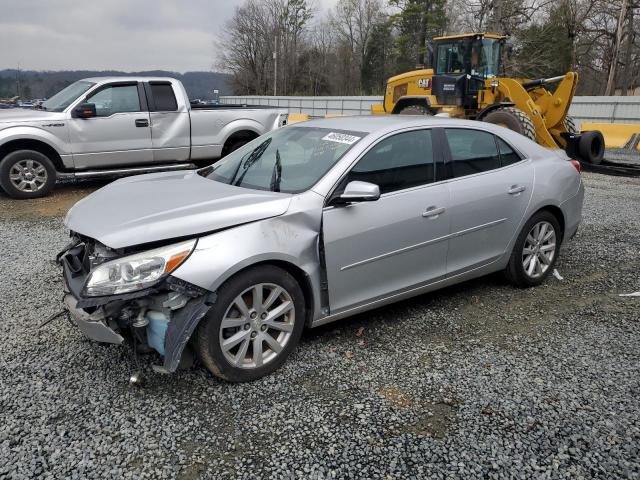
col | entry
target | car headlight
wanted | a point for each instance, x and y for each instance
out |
(135, 272)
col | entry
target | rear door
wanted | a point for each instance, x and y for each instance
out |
(373, 249)
(491, 185)
(119, 134)
(170, 125)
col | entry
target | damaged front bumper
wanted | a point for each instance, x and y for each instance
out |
(162, 317)
(93, 325)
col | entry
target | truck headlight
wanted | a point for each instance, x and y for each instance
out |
(135, 272)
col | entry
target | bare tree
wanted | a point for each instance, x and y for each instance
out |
(354, 21)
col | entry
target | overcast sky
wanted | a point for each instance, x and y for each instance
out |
(129, 35)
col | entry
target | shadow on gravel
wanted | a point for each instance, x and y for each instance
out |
(56, 204)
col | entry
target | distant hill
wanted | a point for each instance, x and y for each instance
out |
(35, 84)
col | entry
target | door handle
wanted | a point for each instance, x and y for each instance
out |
(142, 122)
(432, 212)
(516, 189)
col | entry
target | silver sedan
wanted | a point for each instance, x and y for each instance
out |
(308, 225)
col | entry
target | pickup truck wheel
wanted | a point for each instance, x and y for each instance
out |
(254, 325)
(27, 174)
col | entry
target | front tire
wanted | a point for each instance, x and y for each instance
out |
(254, 325)
(415, 110)
(513, 119)
(536, 251)
(27, 174)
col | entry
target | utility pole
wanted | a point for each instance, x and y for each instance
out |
(18, 86)
(611, 86)
(275, 65)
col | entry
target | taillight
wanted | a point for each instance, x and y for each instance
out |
(576, 164)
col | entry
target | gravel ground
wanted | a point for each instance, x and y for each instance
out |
(478, 380)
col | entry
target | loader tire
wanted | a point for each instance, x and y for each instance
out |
(513, 119)
(570, 124)
(415, 110)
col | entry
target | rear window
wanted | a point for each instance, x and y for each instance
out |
(507, 154)
(163, 97)
(472, 151)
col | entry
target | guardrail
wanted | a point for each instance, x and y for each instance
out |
(614, 109)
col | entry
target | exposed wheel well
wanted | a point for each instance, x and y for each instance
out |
(242, 135)
(300, 276)
(407, 102)
(556, 212)
(28, 144)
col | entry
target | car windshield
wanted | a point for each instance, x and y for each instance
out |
(288, 160)
(66, 97)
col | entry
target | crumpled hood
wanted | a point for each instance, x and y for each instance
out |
(159, 206)
(25, 115)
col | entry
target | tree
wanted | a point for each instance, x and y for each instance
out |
(417, 22)
(354, 21)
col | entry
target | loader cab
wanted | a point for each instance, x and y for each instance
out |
(461, 64)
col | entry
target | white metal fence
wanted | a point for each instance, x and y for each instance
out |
(584, 109)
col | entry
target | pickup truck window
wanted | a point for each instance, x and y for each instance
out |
(116, 99)
(289, 160)
(66, 97)
(163, 97)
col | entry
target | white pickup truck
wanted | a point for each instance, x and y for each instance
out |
(116, 126)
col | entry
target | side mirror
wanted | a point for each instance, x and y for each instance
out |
(357, 191)
(85, 110)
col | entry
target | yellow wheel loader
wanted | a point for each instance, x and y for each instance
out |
(466, 82)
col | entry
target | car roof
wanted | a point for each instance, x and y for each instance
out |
(376, 126)
(381, 124)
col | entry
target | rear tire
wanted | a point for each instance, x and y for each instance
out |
(27, 174)
(244, 336)
(415, 110)
(538, 243)
(513, 119)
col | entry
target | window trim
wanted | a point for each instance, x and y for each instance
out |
(448, 161)
(97, 90)
(437, 157)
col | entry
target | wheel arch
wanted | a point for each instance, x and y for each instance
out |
(239, 135)
(409, 101)
(31, 144)
(296, 272)
(556, 212)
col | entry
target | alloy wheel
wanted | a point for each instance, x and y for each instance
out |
(539, 249)
(28, 175)
(257, 325)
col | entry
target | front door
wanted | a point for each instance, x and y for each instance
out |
(119, 134)
(373, 249)
(490, 191)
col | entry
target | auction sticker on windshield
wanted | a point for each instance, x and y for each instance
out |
(341, 138)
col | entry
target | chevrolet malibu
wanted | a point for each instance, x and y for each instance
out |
(307, 225)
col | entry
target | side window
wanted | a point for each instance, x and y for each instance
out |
(472, 151)
(402, 161)
(163, 97)
(507, 154)
(116, 99)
